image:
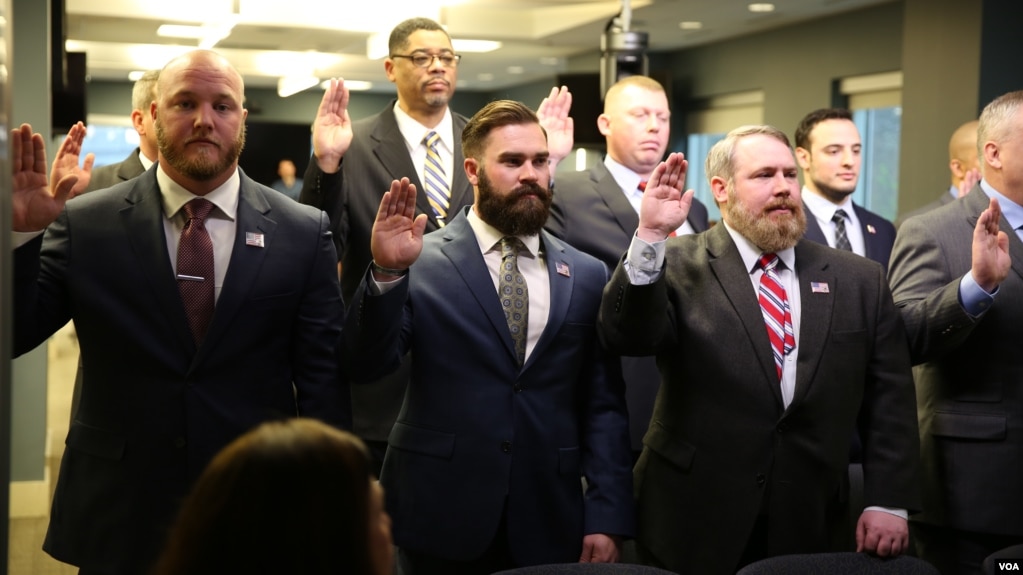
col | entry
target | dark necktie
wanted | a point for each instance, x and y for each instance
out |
(841, 239)
(774, 303)
(195, 268)
(514, 294)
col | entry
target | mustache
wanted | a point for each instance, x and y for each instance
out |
(783, 203)
(531, 189)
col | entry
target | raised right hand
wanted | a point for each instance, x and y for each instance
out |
(665, 206)
(332, 128)
(397, 237)
(35, 200)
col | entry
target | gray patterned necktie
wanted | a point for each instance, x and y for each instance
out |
(514, 294)
(841, 239)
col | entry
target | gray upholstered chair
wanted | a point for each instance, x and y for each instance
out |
(587, 569)
(839, 564)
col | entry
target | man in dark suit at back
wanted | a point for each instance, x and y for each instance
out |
(597, 211)
(770, 347)
(142, 96)
(963, 163)
(512, 398)
(416, 136)
(829, 152)
(204, 302)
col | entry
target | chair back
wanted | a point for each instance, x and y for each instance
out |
(587, 569)
(839, 564)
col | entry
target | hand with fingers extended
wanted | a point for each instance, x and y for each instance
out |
(332, 128)
(36, 199)
(665, 206)
(991, 261)
(970, 179)
(397, 237)
(554, 118)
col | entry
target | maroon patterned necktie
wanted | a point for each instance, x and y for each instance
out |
(195, 268)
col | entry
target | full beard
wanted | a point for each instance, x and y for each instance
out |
(769, 233)
(515, 213)
(201, 168)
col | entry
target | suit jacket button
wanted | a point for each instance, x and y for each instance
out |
(517, 388)
(761, 479)
(506, 446)
(179, 442)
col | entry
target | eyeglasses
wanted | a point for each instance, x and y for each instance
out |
(421, 60)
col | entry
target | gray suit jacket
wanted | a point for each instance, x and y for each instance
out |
(722, 449)
(970, 377)
(591, 213)
(945, 198)
(351, 196)
(155, 408)
(126, 169)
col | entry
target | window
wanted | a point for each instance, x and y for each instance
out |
(876, 103)
(110, 138)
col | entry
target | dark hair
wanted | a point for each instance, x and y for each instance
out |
(815, 117)
(494, 115)
(398, 41)
(290, 496)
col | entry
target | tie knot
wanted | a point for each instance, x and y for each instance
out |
(198, 209)
(431, 139)
(839, 216)
(510, 246)
(768, 262)
(642, 185)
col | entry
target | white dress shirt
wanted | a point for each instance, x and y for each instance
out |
(415, 134)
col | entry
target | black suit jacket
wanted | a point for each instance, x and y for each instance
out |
(878, 234)
(126, 169)
(154, 408)
(591, 213)
(722, 449)
(351, 196)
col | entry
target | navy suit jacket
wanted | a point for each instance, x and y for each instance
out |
(351, 196)
(478, 438)
(155, 409)
(591, 213)
(878, 234)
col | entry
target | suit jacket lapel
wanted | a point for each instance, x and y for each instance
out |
(463, 251)
(734, 278)
(813, 231)
(611, 192)
(562, 284)
(143, 222)
(245, 263)
(816, 308)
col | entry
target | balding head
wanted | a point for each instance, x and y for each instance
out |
(962, 151)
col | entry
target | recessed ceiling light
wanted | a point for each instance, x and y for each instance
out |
(761, 7)
(690, 25)
(550, 61)
(485, 77)
(516, 69)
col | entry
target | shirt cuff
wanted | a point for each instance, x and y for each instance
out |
(19, 239)
(377, 287)
(644, 261)
(973, 298)
(902, 513)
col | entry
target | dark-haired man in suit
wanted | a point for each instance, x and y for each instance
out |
(770, 347)
(597, 210)
(511, 399)
(355, 163)
(204, 302)
(829, 152)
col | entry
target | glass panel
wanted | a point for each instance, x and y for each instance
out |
(111, 144)
(696, 178)
(878, 187)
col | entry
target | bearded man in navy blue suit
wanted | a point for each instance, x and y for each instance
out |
(483, 465)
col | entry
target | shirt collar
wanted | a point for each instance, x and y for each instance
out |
(626, 178)
(1011, 211)
(489, 237)
(414, 132)
(146, 162)
(750, 253)
(174, 195)
(822, 208)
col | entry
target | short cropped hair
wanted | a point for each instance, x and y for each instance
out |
(807, 124)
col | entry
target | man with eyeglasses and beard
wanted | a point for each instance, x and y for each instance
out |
(511, 398)
(770, 347)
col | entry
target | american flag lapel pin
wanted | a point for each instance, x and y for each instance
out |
(819, 287)
(870, 229)
(562, 269)
(254, 239)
